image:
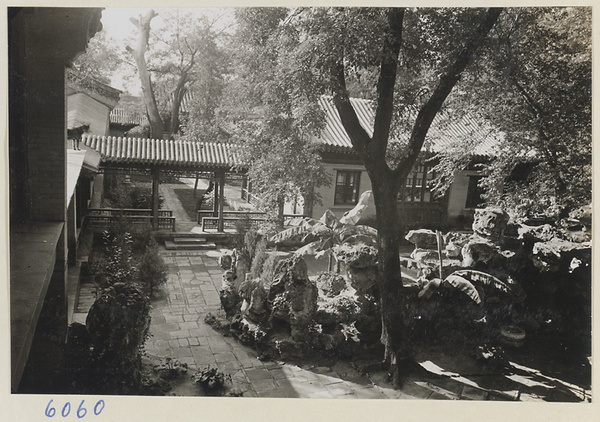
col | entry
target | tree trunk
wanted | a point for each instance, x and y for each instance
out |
(176, 105)
(143, 26)
(393, 335)
(280, 209)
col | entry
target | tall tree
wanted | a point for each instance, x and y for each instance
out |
(179, 59)
(388, 181)
(188, 60)
(139, 54)
(414, 57)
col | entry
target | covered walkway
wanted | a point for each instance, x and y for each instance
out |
(211, 160)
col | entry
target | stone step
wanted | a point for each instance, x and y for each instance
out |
(172, 246)
(189, 240)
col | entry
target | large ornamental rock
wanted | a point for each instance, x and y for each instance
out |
(361, 265)
(227, 260)
(331, 284)
(254, 299)
(242, 267)
(561, 255)
(477, 253)
(533, 234)
(293, 297)
(454, 242)
(490, 223)
(228, 294)
(422, 238)
(425, 257)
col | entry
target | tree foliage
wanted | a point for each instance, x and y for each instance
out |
(99, 61)
(180, 59)
(533, 83)
(279, 141)
(188, 60)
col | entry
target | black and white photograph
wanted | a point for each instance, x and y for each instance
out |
(236, 203)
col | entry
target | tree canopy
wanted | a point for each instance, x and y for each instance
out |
(281, 116)
(99, 61)
(533, 83)
(179, 59)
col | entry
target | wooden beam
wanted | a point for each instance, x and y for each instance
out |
(221, 188)
(155, 184)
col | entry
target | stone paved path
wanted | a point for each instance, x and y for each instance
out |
(178, 330)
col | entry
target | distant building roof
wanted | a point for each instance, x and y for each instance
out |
(97, 90)
(443, 134)
(121, 116)
(175, 154)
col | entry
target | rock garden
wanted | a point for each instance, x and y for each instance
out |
(501, 292)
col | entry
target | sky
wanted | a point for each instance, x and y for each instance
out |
(116, 24)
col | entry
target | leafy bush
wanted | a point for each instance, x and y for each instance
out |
(118, 324)
(345, 307)
(212, 380)
(114, 264)
(171, 369)
(131, 196)
(151, 270)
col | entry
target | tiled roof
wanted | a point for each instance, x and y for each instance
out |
(100, 91)
(124, 117)
(168, 153)
(441, 135)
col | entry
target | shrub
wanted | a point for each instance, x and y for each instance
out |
(141, 198)
(151, 270)
(128, 196)
(212, 380)
(171, 369)
(115, 263)
(118, 324)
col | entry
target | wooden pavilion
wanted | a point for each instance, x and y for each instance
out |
(176, 157)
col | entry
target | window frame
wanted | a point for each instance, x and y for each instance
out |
(350, 176)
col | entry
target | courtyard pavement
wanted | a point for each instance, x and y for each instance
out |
(178, 331)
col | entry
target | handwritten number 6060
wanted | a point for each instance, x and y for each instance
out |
(81, 411)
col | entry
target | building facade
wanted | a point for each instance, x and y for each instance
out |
(42, 42)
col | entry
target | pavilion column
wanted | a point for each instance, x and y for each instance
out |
(155, 184)
(216, 195)
(221, 188)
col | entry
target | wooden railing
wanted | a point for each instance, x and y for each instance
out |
(251, 198)
(235, 214)
(417, 213)
(231, 219)
(105, 217)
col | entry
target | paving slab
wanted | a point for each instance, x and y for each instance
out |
(178, 330)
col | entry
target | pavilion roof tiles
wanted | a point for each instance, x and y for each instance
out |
(123, 151)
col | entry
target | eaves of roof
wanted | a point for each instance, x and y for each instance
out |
(173, 154)
(443, 133)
